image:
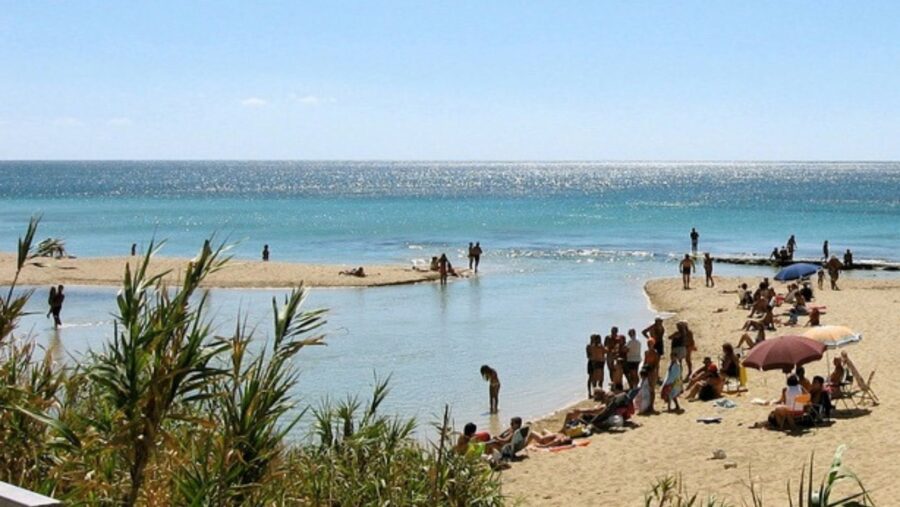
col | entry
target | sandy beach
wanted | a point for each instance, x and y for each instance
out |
(238, 273)
(618, 468)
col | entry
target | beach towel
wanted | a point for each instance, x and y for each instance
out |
(673, 384)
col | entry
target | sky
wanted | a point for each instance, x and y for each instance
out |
(454, 80)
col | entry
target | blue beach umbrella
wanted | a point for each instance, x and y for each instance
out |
(795, 271)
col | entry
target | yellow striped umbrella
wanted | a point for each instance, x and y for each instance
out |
(833, 337)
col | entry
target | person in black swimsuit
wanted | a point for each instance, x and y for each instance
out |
(686, 266)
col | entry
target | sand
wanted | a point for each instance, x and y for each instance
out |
(617, 469)
(238, 273)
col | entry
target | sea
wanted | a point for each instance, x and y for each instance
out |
(567, 250)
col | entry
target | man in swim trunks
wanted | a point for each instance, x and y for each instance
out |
(708, 268)
(596, 360)
(686, 266)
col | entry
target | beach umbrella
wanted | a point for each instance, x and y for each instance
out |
(784, 352)
(795, 271)
(834, 337)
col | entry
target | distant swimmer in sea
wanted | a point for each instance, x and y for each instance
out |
(596, 361)
(490, 375)
(686, 266)
(55, 301)
(695, 239)
(708, 268)
(476, 252)
(265, 253)
(133, 249)
(471, 255)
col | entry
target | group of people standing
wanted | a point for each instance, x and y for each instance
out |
(627, 360)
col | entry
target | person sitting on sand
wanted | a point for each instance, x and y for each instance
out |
(471, 442)
(673, 385)
(760, 305)
(731, 363)
(745, 297)
(596, 361)
(796, 311)
(819, 396)
(435, 264)
(490, 375)
(783, 415)
(836, 379)
(807, 291)
(745, 342)
(814, 320)
(800, 372)
(766, 322)
(359, 272)
(686, 266)
(701, 372)
(710, 387)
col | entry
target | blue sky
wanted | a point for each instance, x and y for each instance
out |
(816, 80)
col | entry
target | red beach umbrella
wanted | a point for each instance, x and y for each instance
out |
(784, 352)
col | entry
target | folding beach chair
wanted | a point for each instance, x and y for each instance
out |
(737, 385)
(865, 386)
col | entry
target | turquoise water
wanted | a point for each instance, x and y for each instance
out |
(568, 247)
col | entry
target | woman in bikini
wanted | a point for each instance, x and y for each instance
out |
(490, 375)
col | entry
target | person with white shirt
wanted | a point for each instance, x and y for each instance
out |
(632, 359)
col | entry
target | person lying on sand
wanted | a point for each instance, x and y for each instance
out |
(360, 272)
(545, 439)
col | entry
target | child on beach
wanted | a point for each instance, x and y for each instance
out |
(673, 385)
(490, 375)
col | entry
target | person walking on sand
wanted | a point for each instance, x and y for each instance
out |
(708, 268)
(265, 253)
(695, 240)
(686, 266)
(471, 255)
(476, 252)
(834, 270)
(490, 375)
(56, 302)
(596, 361)
(825, 250)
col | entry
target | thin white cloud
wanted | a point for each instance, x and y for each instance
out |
(254, 102)
(120, 122)
(67, 121)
